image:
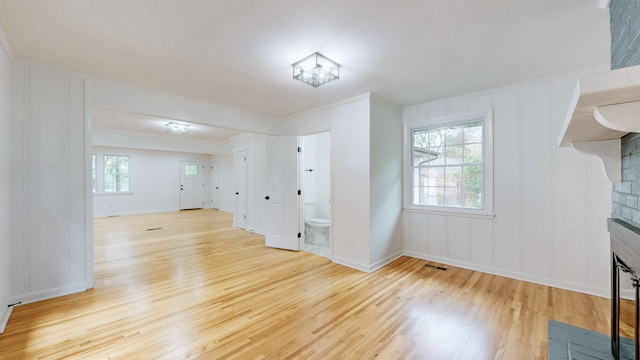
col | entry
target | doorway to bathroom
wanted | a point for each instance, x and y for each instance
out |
(315, 181)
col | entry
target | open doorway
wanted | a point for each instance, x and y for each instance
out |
(166, 171)
(153, 157)
(315, 177)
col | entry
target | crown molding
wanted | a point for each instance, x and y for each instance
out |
(4, 44)
(328, 106)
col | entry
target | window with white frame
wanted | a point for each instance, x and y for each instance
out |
(191, 169)
(116, 173)
(451, 164)
(93, 173)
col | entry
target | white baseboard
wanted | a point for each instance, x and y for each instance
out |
(140, 212)
(137, 212)
(5, 318)
(349, 263)
(384, 262)
(257, 231)
(566, 285)
(47, 294)
(364, 267)
(628, 294)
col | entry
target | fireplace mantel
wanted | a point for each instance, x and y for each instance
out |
(604, 108)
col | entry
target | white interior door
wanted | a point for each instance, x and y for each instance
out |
(191, 185)
(240, 164)
(281, 200)
(215, 185)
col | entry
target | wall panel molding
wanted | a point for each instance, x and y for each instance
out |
(48, 168)
(586, 289)
(5, 186)
(40, 295)
(550, 207)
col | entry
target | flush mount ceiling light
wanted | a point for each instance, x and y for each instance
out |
(316, 70)
(176, 128)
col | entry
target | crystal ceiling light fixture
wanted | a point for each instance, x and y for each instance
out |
(176, 128)
(316, 70)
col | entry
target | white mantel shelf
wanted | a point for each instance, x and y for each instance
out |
(604, 108)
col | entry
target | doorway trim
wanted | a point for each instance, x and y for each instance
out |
(240, 217)
(214, 184)
(88, 187)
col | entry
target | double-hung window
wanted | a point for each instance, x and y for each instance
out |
(451, 165)
(110, 174)
(116, 173)
(94, 182)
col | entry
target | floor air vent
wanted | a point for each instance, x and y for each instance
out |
(435, 267)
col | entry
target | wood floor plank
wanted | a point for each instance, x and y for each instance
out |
(187, 285)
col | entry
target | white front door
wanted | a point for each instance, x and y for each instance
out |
(191, 185)
(240, 163)
(215, 185)
(281, 198)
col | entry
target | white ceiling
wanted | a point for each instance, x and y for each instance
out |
(238, 52)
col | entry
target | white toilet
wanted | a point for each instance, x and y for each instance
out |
(319, 222)
(316, 229)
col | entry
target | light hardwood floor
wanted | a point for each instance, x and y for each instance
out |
(198, 288)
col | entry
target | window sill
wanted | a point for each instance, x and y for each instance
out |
(113, 193)
(451, 212)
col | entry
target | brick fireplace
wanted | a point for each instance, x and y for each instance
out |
(625, 225)
(625, 258)
(626, 193)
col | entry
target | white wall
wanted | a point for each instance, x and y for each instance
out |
(51, 247)
(349, 124)
(322, 175)
(386, 183)
(154, 182)
(5, 177)
(550, 204)
(49, 167)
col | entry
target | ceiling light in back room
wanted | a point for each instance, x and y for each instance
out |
(176, 128)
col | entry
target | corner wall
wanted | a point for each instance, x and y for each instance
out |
(49, 166)
(349, 124)
(5, 178)
(350, 184)
(550, 204)
(386, 183)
